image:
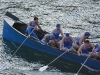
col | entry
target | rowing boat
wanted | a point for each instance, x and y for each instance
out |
(14, 31)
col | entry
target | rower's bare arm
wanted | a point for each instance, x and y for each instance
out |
(93, 47)
(73, 40)
(46, 39)
(39, 26)
(62, 33)
(61, 43)
(79, 50)
(80, 41)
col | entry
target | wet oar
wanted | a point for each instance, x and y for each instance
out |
(83, 64)
(89, 68)
(45, 67)
(5, 65)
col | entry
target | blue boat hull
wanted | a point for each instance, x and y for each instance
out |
(13, 35)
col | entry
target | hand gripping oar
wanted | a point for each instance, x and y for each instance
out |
(4, 66)
(45, 67)
(83, 64)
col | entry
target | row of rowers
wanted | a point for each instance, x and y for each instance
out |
(78, 45)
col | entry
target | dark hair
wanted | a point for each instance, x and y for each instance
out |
(87, 34)
(35, 18)
(86, 41)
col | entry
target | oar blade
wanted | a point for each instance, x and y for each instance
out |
(43, 68)
(75, 74)
(89, 67)
(5, 65)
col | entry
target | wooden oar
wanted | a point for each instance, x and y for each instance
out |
(83, 64)
(90, 68)
(5, 65)
(45, 67)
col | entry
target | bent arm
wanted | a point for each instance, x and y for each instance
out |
(73, 40)
(79, 50)
(46, 38)
(80, 41)
(61, 43)
(62, 33)
(93, 47)
(39, 26)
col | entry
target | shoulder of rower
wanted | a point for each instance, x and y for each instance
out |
(63, 38)
(91, 44)
(30, 22)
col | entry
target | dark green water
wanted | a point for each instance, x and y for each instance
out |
(35, 57)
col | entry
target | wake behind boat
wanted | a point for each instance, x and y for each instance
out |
(15, 31)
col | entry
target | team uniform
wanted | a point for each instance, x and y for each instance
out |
(67, 43)
(29, 29)
(50, 36)
(56, 34)
(85, 50)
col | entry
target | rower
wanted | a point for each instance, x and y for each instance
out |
(57, 32)
(84, 49)
(33, 25)
(79, 40)
(49, 39)
(66, 43)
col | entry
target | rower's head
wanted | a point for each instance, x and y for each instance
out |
(67, 35)
(87, 34)
(86, 42)
(35, 19)
(52, 36)
(58, 26)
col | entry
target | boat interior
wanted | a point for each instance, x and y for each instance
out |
(21, 27)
